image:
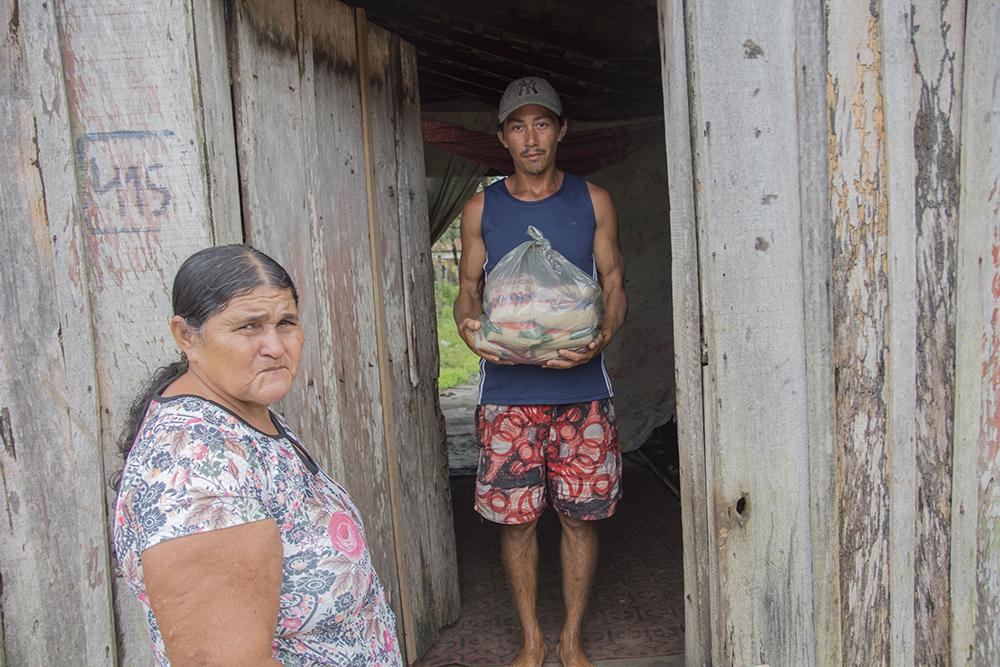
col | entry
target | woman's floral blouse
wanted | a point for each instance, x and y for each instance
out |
(197, 467)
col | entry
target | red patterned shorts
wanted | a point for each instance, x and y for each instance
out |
(532, 454)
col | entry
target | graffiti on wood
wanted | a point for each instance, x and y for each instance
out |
(123, 189)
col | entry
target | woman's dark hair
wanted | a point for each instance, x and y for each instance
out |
(204, 285)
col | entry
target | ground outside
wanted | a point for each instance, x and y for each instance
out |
(636, 613)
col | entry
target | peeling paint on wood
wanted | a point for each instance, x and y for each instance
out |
(859, 204)
(936, 39)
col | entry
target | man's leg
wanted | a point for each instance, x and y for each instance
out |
(578, 549)
(584, 477)
(519, 548)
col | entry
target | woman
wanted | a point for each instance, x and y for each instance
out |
(240, 549)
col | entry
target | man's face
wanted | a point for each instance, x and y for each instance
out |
(531, 133)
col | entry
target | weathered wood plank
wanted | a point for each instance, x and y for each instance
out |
(430, 536)
(742, 61)
(922, 74)
(277, 208)
(817, 253)
(898, 74)
(52, 532)
(217, 130)
(378, 109)
(975, 553)
(687, 334)
(341, 210)
(937, 44)
(144, 203)
(859, 205)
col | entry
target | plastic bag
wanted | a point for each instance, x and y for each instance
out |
(535, 303)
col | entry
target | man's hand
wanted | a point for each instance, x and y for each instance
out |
(611, 269)
(570, 358)
(467, 330)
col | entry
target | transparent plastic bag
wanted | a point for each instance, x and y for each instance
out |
(535, 303)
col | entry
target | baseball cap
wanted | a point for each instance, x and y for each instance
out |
(529, 90)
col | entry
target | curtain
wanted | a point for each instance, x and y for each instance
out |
(451, 181)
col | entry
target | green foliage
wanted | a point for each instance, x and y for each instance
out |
(458, 363)
(447, 294)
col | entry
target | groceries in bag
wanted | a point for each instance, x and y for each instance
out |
(535, 303)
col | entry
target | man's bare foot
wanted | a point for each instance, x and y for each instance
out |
(532, 654)
(571, 654)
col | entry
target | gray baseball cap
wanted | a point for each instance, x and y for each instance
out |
(529, 90)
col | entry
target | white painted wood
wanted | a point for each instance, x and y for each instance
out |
(813, 133)
(975, 555)
(742, 61)
(687, 335)
(898, 78)
(218, 132)
(144, 202)
(52, 528)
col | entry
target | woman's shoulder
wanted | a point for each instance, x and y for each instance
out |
(193, 431)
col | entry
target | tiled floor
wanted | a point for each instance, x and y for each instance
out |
(636, 614)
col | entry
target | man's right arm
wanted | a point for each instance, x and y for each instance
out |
(469, 302)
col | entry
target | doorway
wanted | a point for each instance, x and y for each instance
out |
(634, 171)
(637, 608)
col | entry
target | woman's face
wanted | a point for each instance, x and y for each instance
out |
(249, 352)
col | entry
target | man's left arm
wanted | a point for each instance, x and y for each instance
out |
(611, 271)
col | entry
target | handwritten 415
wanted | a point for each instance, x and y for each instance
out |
(137, 185)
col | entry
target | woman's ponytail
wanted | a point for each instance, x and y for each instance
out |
(137, 410)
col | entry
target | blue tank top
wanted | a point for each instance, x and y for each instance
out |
(566, 218)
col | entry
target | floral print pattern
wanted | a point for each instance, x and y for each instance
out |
(532, 454)
(197, 467)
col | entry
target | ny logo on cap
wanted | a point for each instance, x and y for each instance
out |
(528, 86)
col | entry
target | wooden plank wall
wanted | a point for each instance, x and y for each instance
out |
(860, 107)
(137, 124)
(141, 157)
(742, 67)
(338, 98)
(817, 259)
(895, 90)
(55, 597)
(975, 563)
(419, 451)
(924, 84)
(860, 294)
(423, 460)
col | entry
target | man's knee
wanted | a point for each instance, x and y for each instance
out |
(576, 526)
(520, 531)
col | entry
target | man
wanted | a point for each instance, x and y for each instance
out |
(547, 433)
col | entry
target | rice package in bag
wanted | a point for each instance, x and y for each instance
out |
(535, 303)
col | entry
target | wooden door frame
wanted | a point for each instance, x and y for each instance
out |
(687, 333)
